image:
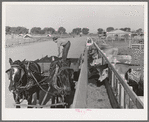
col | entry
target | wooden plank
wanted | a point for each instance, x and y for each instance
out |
(44, 66)
(120, 94)
(81, 91)
(138, 46)
(39, 106)
(122, 97)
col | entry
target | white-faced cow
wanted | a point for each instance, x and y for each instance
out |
(95, 72)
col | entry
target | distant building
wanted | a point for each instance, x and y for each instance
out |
(48, 35)
(27, 36)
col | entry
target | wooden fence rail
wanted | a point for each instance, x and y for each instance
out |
(81, 90)
(137, 46)
(122, 92)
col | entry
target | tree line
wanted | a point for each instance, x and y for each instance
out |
(46, 30)
(127, 29)
(61, 30)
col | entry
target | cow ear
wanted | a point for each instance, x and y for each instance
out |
(129, 70)
(10, 61)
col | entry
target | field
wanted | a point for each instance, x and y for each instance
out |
(121, 45)
(15, 40)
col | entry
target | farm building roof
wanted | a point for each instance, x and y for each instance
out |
(118, 32)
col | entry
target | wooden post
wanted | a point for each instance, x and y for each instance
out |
(110, 75)
(120, 94)
(113, 79)
(103, 61)
(130, 43)
(122, 97)
(129, 102)
(118, 87)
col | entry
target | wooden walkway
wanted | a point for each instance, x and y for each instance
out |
(77, 47)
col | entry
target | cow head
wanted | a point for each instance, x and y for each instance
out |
(137, 85)
(103, 75)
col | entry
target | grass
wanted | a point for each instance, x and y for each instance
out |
(123, 49)
(9, 42)
(121, 45)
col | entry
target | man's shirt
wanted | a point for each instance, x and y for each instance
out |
(61, 42)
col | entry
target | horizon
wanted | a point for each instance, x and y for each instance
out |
(72, 16)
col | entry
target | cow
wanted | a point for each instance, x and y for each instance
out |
(95, 72)
(96, 59)
(136, 80)
(121, 68)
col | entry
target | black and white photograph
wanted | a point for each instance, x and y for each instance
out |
(74, 61)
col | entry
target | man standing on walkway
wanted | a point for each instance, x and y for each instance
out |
(66, 45)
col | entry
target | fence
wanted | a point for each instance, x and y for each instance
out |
(81, 90)
(118, 89)
(137, 46)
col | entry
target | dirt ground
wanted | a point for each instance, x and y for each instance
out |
(97, 97)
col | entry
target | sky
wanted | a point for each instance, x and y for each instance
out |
(70, 16)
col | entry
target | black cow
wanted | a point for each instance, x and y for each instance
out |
(137, 84)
